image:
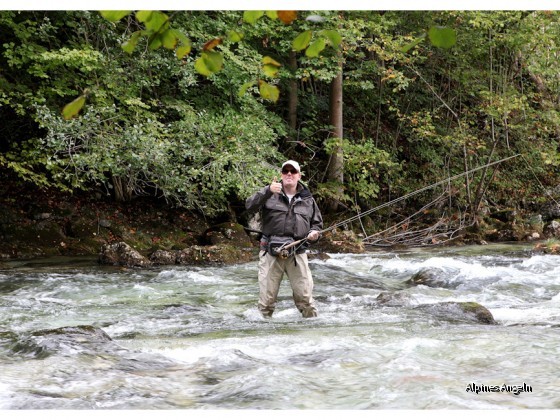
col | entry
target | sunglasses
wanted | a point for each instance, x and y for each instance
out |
(289, 171)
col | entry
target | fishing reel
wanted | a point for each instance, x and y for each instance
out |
(283, 253)
(282, 250)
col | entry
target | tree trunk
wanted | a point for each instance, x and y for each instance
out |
(293, 98)
(122, 191)
(335, 170)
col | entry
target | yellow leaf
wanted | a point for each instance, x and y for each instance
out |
(73, 108)
(114, 15)
(183, 50)
(268, 92)
(271, 61)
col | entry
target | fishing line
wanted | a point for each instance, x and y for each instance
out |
(396, 200)
(404, 197)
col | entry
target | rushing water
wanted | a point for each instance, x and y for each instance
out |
(192, 338)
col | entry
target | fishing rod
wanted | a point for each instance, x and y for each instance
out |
(404, 197)
(285, 247)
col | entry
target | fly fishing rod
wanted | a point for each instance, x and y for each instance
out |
(287, 246)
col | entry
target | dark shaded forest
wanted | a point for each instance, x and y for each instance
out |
(196, 116)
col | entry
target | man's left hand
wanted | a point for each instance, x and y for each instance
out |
(313, 235)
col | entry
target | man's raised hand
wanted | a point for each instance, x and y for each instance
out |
(275, 186)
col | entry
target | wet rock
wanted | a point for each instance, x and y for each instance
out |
(552, 230)
(44, 343)
(214, 254)
(81, 333)
(431, 277)
(120, 253)
(393, 299)
(317, 255)
(551, 211)
(459, 312)
(533, 236)
(162, 257)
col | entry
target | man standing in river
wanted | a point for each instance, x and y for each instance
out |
(289, 213)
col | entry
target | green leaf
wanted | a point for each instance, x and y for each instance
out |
(183, 39)
(72, 109)
(129, 45)
(302, 41)
(155, 41)
(251, 16)
(235, 36)
(154, 21)
(169, 39)
(244, 88)
(442, 37)
(268, 92)
(201, 67)
(412, 44)
(272, 14)
(184, 49)
(270, 70)
(315, 48)
(144, 15)
(214, 60)
(209, 62)
(114, 15)
(333, 36)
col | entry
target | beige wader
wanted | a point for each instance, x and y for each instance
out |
(271, 272)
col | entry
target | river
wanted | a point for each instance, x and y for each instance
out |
(178, 337)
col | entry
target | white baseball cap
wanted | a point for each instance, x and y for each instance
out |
(293, 163)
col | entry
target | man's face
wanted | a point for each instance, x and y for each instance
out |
(290, 176)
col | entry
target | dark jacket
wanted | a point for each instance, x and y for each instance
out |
(280, 218)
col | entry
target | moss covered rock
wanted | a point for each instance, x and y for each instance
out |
(431, 277)
(459, 312)
(214, 254)
(120, 253)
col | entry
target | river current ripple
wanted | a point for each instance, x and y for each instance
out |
(191, 338)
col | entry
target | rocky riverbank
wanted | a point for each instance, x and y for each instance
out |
(47, 223)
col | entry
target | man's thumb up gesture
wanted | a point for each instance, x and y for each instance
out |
(275, 186)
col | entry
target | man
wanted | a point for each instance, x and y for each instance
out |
(289, 213)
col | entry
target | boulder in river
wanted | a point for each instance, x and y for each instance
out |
(459, 311)
(431, 277)
(79, 339)
(393, 299)
(120, 253)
